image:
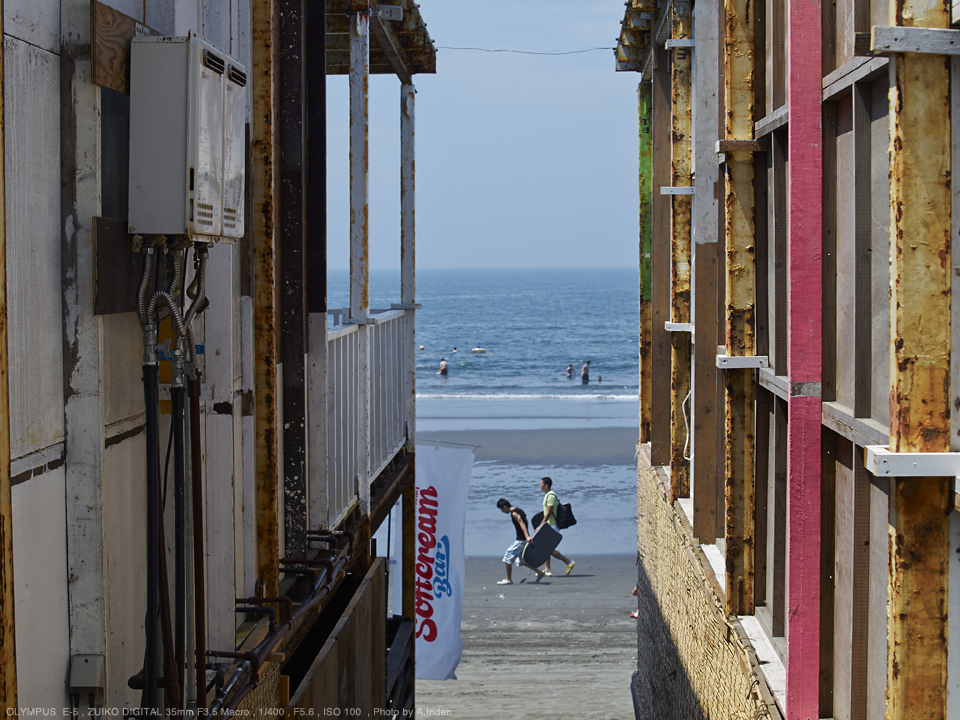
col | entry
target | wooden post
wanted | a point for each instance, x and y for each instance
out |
(360, 230)
(920, 293)
(8, 654)
(408, 264)
(706, 211)
(680, 256)
(646, 237)
(804, 361)
(409, 557)
(264, 131)
(740, 231)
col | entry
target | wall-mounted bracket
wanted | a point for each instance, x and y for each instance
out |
(678, 327)
(882, 463)
(729, 146)
(738, 362)
(893, 39)
(680, 43)
(667, 190)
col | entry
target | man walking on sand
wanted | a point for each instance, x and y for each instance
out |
(550, 505)
(512, 556)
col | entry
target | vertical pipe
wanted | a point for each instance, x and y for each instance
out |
(644, 94)
(360, 231)
(178, 396)
(151, 394)
(266, 392)
(199, 575)
(920, 292)
(804, 358)
(408, 267)
(8, 657)
(318, 491)
(292, 231)
(740, 231)
(681, 119)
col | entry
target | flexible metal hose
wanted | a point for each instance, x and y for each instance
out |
(142, 290)
(201, 283)
(167, 299)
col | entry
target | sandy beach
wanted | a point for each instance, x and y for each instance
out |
(563, 648)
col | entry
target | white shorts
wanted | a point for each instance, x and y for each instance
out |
(512, 555)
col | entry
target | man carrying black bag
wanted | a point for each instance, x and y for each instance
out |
(550, 507)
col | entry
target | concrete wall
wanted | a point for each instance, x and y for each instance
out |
(691, 665)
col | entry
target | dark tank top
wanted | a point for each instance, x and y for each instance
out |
(523, 516)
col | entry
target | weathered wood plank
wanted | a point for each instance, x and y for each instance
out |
(111, 33)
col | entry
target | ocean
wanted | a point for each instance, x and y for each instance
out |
(532, 325)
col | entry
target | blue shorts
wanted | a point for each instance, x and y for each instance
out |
(512, 555)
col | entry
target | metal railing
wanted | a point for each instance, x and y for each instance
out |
(345, 392)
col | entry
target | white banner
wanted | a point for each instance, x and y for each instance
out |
(443, 481)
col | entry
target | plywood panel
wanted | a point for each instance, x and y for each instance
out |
(40, 584)
(124, 539)
(32, 147)
(34, 21)
(120, 367)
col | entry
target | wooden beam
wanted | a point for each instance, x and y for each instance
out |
(8, 654)
(706, 274)
(920, 296)
(265, 306)
(408, 264)
(804, 358)
(740, 233)
(680, 247)
(645, 98)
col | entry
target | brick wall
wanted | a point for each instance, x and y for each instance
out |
(692, 663)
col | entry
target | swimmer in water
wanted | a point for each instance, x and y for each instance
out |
(585, 374)
(570, 370)
(443, 367)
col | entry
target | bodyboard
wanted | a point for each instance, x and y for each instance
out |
(545, 541)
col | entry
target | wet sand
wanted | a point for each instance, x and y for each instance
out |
(563, 648)
(556, 446)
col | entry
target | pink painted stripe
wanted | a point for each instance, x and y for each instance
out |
(804, 358)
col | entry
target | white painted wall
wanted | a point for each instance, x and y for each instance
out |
(32, 165)
(40, 591)
(34, 21)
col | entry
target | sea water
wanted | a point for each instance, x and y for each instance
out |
(532, 324)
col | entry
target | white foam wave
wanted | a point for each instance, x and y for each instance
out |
(527, 396)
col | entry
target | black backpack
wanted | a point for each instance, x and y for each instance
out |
(565, 516)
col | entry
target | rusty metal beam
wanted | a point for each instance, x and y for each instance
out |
(681, 119)
(293, 301)
(8, 655)
(360, 230)
(390, 45)
(645, 99)
(740, 237)
(265, 306)
(920, 288)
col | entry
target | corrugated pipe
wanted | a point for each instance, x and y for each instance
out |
(147, 251)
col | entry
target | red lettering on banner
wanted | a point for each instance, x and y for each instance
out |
(426, 541)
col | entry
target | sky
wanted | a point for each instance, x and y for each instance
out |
(522, 161)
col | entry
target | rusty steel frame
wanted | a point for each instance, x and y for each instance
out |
(408, 246)
(920, 301)
(8, 655)
(681, 125)
(293, 266)
(645, 99)
(360, 229)
(740, 237)
(265, 306)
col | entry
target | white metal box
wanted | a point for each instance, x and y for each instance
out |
(187, 122)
